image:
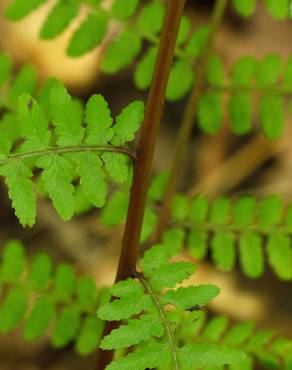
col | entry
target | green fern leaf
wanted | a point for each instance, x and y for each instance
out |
(197, 244)
(126, 288)
(251, 255)
(59, 18)
(280, 255)
(154, 258)
(128, 123)
(239, 334)
(151, 18)
(198, 209)
(208, 355)
(125, 307)
(144, 69)
(18, 9)
(278, 9)
(197, 42)
(86, 292)
(244, 70)
(66, 327)
(40, 271)
(116, 209)
(271, 110)
(149, 223)
(215, 71)
(260, 339)
(92, 178)
(121, 52)
(66, 116)
(270, 211)
(149, 356)
(122, 12)
(210, 113)
(21, 191)
(57, 177)
(240, 109)
(184, 30)
(173, 240)
(192, 296)
(39, 319)
(245, 7)
(180, 81)
(5, 146)
(268, 70)
(135, 332)
(171, 274)
(89, 336)
(215, 328)
(24, 82)
(13, 309)
(158, 185)
(13, 262)
(89, 35)
(179, 207)
(64, 283)
(99, 121)
(219, 212)
(10, 126)
(33, 124)
(223, 251)
(244, 211)
(116, 166)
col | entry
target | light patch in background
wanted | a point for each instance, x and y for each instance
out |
(21, 40)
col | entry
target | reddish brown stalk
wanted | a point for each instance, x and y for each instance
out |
(188, 121)
(145, 153)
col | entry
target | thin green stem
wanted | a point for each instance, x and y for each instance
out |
(215, 228)
(69, 149)
(251, 89)
(188, 120)
(161, 312)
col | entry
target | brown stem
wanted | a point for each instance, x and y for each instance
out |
(145, 152)
(188, 120)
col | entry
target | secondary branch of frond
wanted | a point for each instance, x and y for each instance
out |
(251, 89)
(160, 310)
(70, 149)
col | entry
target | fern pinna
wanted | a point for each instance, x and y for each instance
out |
(70, 150)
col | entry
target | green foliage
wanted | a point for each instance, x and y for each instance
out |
(278, 9)
(146, 308)
(46, 300)
(127, 43)
(70, 151)
(53, 145)
(49, 301)
(268, 79)
(263, 347)
(254, 232)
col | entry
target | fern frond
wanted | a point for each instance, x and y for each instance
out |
(69, 151)
(254, 233)
(53, 301)
(262, 347)
(50, 301)
(268, 79)
(143, 304)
